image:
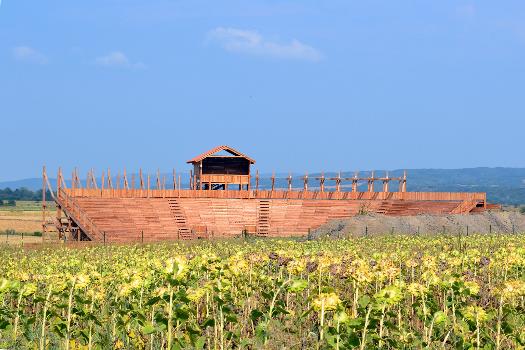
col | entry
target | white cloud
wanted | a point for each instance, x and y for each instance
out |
(29, 55)
(118, 59)
(251, 42)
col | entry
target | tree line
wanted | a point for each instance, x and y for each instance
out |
(21, 194)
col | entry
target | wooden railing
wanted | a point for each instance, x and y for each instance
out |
(225, 179)
(280, 194)
(79, 215)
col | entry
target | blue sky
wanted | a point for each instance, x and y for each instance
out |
(298, 85)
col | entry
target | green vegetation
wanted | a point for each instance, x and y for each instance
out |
(21, 194)
(439, 292)
(11, 232)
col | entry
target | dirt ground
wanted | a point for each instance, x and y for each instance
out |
(495, 222)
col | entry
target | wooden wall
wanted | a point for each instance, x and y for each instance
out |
(127, 219)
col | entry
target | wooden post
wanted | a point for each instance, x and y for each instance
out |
(93, 179)
(305, 185)
(321, 182)
(179, 185)
(73, 182)
(386, 181)
(192, 185)
(371, 182)
(273, 181)
(44, 206)
(158, 179)
(289, 182)
(174, 180)
(200, 175)
(354, 182)
(338, 182)
(126, 183)
(257, 181)
(110, 182)
(148, 185)
(141, 179)
(58, 179)
(103, 181)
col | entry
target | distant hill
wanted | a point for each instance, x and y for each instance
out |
(503, 185)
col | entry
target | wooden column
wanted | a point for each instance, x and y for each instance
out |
(44, 205)
(371, 182)
(354, 182)
(200, 175)
(126, 183)
(386, 181)
(148, 185)
(110, 184)
(305, 185)
(273, 181)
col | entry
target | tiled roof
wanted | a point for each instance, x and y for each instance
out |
(218, 149)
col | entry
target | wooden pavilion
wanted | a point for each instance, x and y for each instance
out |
(219, 168)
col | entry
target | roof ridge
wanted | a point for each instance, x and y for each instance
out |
(216, 149)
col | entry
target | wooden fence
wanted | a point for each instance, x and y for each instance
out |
(279, 194)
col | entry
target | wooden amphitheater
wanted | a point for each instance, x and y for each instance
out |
(223, 199)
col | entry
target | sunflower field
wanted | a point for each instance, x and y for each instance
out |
(389, 292)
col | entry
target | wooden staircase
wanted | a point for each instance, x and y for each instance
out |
(465, 207)
(180, 218)
(74, 211)
(263, 217)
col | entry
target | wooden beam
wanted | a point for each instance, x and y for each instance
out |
(110, 183)
(305, 185)
(126, 184)
(44, 205)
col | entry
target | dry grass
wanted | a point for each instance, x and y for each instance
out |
(17, 239)
(25, 217)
